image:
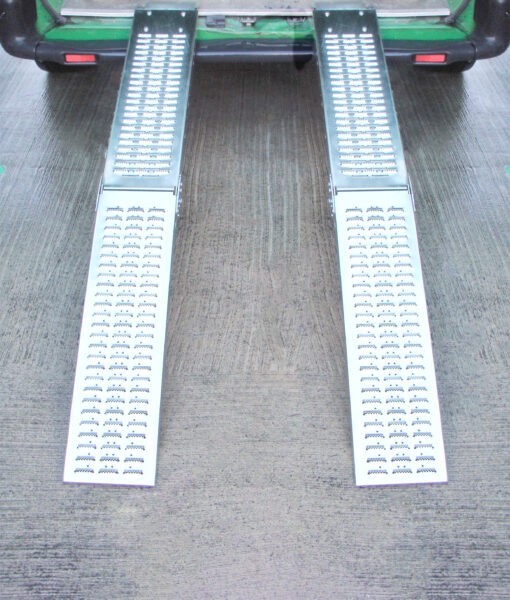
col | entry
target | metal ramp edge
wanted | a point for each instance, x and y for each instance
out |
(396, 424)
(113, 428)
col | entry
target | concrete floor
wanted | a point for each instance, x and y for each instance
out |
(255, 496)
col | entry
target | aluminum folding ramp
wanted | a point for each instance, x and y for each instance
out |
(113, 431)
(396, 424)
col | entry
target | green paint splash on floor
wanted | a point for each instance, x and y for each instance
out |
(2, 170)
(507, 169)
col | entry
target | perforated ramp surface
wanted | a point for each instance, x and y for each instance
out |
(148, 128)
(113, 430)
(396, 423)
(397, 433)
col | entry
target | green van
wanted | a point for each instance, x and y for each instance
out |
(74, 34)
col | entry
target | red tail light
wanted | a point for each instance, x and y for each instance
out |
(89, 59)
(420, 59)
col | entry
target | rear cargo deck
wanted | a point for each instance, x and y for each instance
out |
(394, 8)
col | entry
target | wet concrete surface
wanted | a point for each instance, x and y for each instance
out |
(255, 494)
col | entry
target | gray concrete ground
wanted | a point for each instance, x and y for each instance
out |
(255, 496)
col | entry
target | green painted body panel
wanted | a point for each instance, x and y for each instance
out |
(44, 21)
(273, 28)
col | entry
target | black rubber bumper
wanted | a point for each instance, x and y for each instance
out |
(18, 35)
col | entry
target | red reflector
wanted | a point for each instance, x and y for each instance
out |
(429, 58)
(80, 58)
